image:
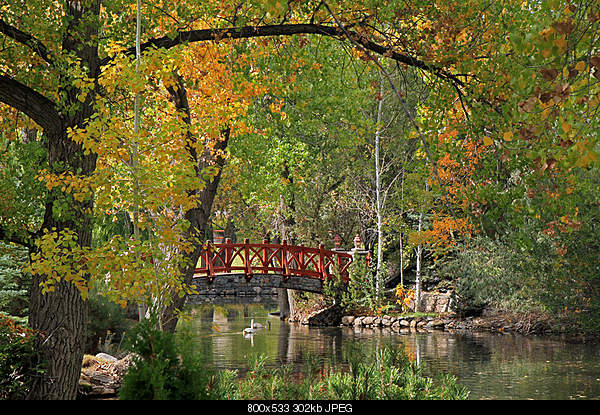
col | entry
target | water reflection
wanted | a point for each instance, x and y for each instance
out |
(492, 366)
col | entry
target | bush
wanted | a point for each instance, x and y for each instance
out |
(486, 273)
(165, 367)
(501, 275)
(20, 364)
(361, 293)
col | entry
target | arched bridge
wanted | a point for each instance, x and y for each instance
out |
(227, 266)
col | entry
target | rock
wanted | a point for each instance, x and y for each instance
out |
(106, 357)
(120, 367)
(348, 320)
(101, 378)
(435, 324)
(331, 316)
(367, 321)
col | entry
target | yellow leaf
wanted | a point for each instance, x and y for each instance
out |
(580, 66)
(487, 141)
(561, 42)
(508, 136)
(566, 127)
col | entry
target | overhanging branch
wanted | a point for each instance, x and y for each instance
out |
(17, 239)
(26, 39)
(247, 32)
(33, 104)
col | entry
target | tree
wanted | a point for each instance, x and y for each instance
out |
(522, 76)
(51, 73)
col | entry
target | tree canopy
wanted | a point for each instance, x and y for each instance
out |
(270, 107)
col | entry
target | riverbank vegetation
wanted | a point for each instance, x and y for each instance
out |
(457, 139)
(167, 366)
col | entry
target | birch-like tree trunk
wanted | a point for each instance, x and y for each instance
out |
(419, 250)
(378, 207)
(134, 147)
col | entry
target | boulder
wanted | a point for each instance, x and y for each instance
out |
(348, 320)
(101, 378)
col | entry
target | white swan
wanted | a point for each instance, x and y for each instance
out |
(249, 330)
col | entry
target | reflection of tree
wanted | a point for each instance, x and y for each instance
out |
(283, 342)
(298, 344)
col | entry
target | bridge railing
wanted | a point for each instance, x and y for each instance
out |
(264, 258)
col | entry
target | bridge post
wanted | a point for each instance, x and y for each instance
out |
(227, 254)
(322, 263)
(248, 268)
(358, 249)
(209, 264)
(284, 260)
(301, 265)
(265, 255)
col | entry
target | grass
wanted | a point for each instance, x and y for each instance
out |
(386, 375)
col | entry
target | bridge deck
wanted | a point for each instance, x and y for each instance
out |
(266, 258)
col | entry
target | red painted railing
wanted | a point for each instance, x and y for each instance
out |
(265, 258)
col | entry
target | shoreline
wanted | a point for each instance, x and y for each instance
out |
(526, 324)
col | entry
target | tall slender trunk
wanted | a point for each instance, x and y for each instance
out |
(419, 258)
(378, 208)
(401, 263)
(134, 156)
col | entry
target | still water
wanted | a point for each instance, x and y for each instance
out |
(491, 366)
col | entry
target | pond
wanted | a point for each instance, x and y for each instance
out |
(490, 365)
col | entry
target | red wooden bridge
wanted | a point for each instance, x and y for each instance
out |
(254, 259)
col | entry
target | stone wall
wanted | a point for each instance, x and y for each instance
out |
(434, 302)
(259, 284)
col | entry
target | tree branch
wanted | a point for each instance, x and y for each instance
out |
(26, 39)
(33, 104)
(246, 32)
(14, 238)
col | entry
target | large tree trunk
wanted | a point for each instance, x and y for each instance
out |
(61, 316)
